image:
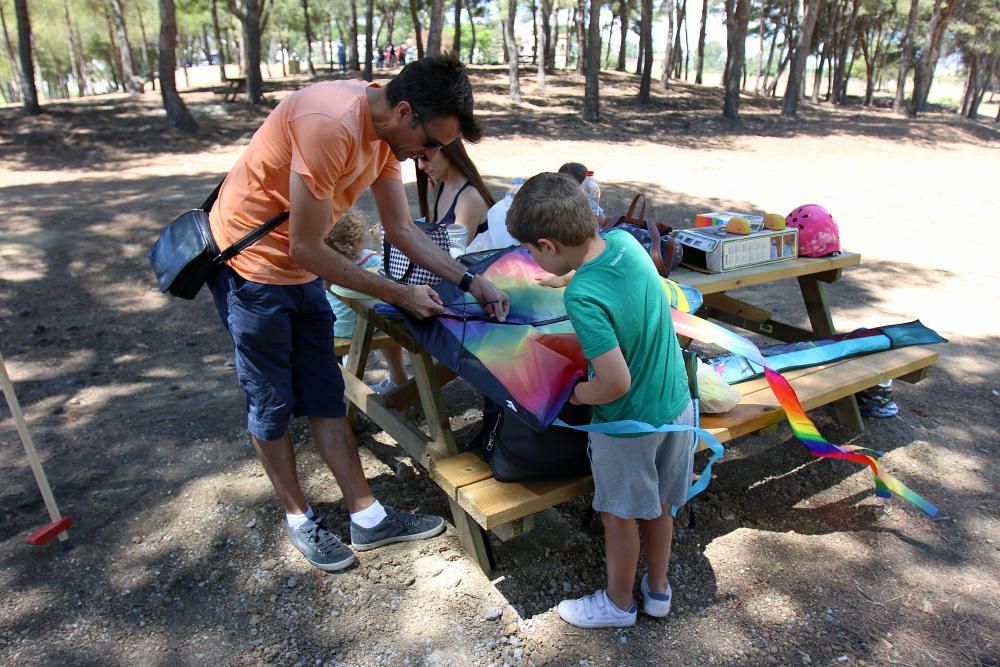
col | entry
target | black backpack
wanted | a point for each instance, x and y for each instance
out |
(516, 453)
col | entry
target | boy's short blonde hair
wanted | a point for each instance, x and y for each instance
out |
(348, 234)
(551, 206)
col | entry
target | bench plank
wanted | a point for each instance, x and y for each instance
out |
(492, 503)
(468, 479)
(454, 472)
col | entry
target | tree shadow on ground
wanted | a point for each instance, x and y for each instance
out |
(101, 133)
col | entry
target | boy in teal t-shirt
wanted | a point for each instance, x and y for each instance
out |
(621, 313)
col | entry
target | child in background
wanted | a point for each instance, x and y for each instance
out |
(348, 238)
(575, 169)
(621, 315)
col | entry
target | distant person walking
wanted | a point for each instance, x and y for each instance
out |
(342, 56)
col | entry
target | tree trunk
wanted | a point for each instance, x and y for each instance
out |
(825, 55)
(701, 42)
(456, 44)
(676, 52)
(308, 30)
(436, 26)
(760, 47)
(75, 59)
(623, 19)
(981, 83)
(218, 42)
(551, 56)
(929, 53)
(770, 60)
(842, 72)
(146, 59)
(591, 89)
(606, 60)
(540, 50)
(177, 113)
(355, 61)
(803, 45)
(472, 26)
(369, 37)
(546, 36)
(250, 18)
(783, 59)
(737, 19)
(132, 83)
(8, 44)
(646, 37)
(668, 47)
(512, 65)
(906, 56)
(29, 94)
(581, 37)
(418, 31)
(639, 51)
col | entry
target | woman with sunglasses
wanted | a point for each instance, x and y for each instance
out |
(460, 195)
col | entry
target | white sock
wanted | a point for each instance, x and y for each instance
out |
(370, 516)
(299, 520)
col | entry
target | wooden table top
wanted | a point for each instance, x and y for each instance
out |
(706, 283)
(711, 283)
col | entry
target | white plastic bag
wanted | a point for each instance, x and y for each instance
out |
(714, 395)
(496, 235)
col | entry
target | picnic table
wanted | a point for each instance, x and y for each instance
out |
(234, 86)
(480, 503)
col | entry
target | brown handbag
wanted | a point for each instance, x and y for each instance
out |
(654, 236)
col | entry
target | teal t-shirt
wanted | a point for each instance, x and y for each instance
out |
(618, 300)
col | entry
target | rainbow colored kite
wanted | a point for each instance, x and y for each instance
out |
(531, 362)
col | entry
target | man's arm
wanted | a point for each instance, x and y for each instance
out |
(611, 380)
(307, 222)
(393, 210)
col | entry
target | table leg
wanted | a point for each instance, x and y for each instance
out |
(822, 325)
(472, 537)
(435, 410)
(357, 356)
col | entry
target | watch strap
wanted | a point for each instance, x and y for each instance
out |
(466, 281)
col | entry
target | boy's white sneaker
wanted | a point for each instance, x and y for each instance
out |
(655, 604)
(596, 611)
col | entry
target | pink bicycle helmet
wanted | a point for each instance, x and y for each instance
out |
(818, 232)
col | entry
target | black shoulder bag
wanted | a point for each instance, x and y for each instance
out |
(186, 254)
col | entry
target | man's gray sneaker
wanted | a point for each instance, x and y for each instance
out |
(320, 547)
(396, 527)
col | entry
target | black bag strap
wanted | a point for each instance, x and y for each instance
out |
(247, 240)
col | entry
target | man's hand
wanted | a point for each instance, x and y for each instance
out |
(494, 301)
(421, 301)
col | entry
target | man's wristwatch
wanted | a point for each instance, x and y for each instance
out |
(466, 282)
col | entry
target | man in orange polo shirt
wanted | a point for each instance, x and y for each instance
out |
(316, 153)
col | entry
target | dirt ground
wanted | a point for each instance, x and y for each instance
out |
(180, 557)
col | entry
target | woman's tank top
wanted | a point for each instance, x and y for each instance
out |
(449, 217)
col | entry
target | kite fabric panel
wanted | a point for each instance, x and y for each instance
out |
(531, 362)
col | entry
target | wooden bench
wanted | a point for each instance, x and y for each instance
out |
(234, 86)
(497, 506)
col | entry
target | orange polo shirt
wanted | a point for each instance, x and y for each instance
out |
(324, 133)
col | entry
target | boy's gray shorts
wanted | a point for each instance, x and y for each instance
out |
(634, 477)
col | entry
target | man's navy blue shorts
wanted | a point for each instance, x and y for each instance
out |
(284, 350)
